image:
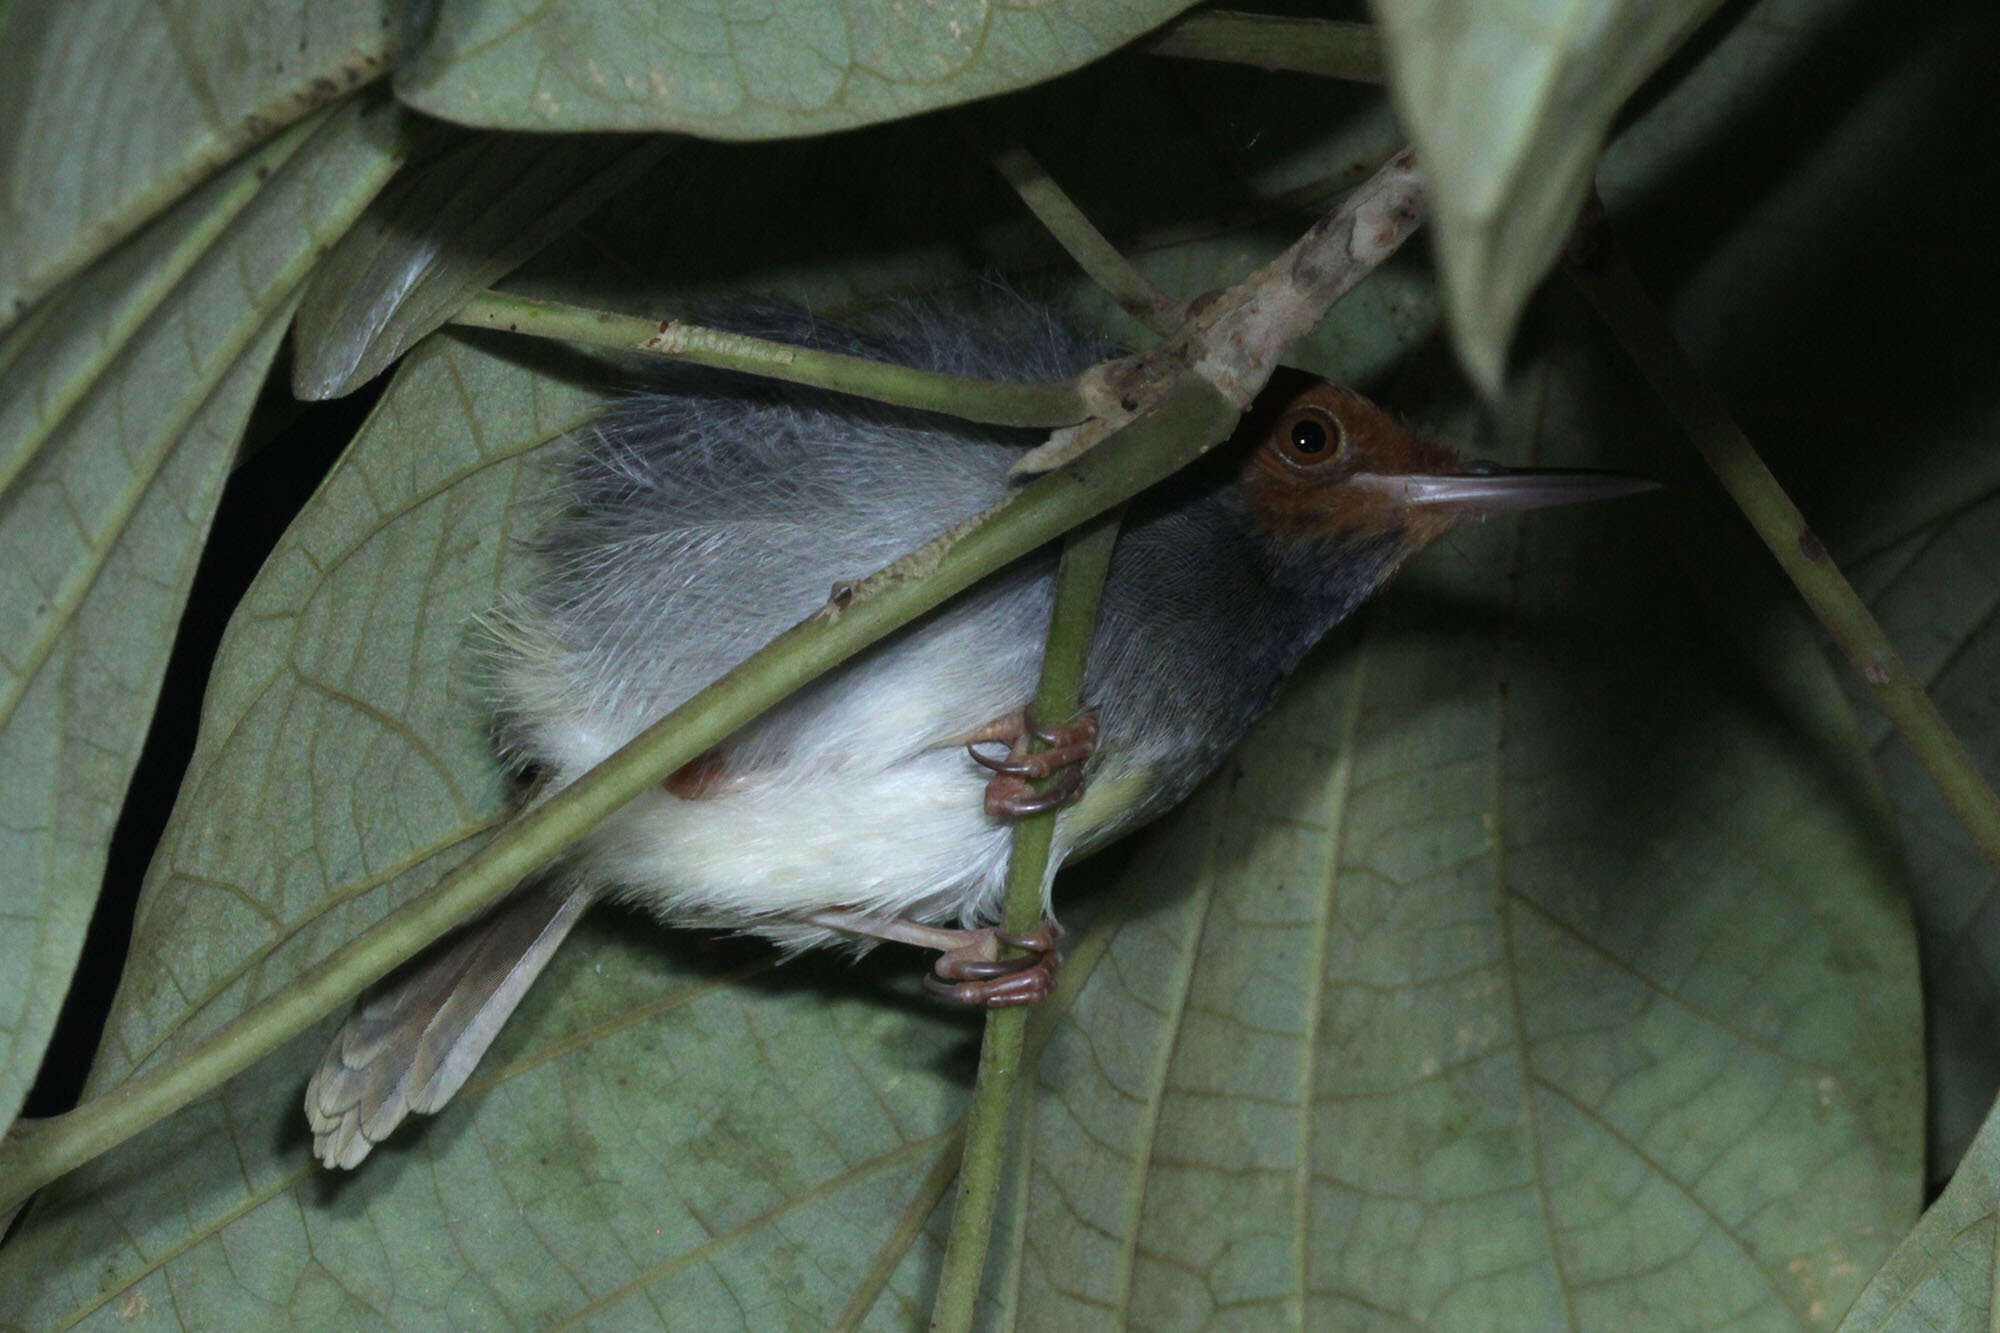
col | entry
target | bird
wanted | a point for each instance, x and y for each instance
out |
(705, 512)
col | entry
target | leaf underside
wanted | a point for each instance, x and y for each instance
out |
(1518, 967)
(1508, 105)
(109, 112)
(121, 406)
(794, 68)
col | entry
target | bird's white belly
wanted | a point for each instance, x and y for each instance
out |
(910, 840)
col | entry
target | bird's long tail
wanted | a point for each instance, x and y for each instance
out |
(412, 1041)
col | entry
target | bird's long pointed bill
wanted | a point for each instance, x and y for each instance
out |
(1508, 490)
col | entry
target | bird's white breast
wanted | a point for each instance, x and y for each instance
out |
(909, 839)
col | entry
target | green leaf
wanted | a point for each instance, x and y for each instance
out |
(110, 111)
(1541, 963)
(51, 363)
(448, 229)
(1508, 105)
(801, 67)
(120, 410)
(1941, 1275)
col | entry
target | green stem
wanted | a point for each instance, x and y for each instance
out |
(1072, 627)
(1082, 960)
(1607, 280)
(1191, 419)
(1328, 48)
(1079, 237)
(996, 402)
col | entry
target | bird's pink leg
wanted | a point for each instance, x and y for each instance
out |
(1010, 793)
(969, 968)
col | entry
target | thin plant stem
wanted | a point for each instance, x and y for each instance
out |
(1082, 961)
(995, 402)
(1190, 420)
(1079, 237)
(1604, 275)
(1233, 338)
(1072, 627)
(1326, 47)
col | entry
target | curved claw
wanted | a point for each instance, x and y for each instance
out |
(1040, 764)
(1041, 939)
(1006, 764)
(1009, 794)
(1029, 985)
(971, 974)
(950, 968)
(968, 968)
(1012, 798)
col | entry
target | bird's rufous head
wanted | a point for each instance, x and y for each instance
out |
(1325, 463)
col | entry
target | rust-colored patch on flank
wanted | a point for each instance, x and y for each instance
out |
(700, 777)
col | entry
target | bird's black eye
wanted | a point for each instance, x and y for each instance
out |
(1307, 438)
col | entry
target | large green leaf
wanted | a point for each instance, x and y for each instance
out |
(120, 411)
(1543, 964)
(110, 111)
(343, 761)
(1508, 105)
(799, 67)
(52, 362)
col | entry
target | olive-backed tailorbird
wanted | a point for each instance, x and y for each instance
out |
(710, 513)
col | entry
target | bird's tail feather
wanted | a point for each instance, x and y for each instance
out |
(412, 1042)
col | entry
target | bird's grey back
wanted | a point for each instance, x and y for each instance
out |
(708, 512)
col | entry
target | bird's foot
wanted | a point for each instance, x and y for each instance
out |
(969, 968)
(974, 973)
(1010, 794)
